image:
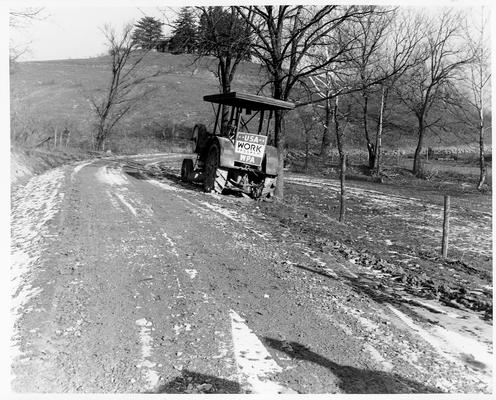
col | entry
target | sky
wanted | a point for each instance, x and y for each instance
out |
(75, 32)
(71, 28)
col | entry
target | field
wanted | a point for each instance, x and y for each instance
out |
(53, 95)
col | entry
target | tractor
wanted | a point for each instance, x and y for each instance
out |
(237, 155)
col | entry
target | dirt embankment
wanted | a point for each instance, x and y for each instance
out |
(25, 163)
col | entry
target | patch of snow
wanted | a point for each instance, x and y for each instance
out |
(113, 201)
(146, 341)
(230, 214)
(317, 260)
(181, 328)
(255, 364)
(79, 167)
(18, 167)
(236, 217)
(154, 155)
(129, 206)
(451, 345)
(111, 176)
(164, 185)
(33, 206)
(191, 272)
(376, 356)
(172, 245)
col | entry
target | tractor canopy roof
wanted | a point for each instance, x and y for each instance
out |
(249, 101)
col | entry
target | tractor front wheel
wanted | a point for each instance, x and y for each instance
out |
(187, 169)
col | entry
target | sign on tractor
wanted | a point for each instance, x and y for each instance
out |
(249, 148)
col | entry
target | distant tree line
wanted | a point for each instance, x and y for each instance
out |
(197, 30)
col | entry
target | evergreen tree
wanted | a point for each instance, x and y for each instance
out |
(185, 33)
(223, 33)
(147, 32)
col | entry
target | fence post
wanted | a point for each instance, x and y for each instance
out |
(444, 246)
(342, 197)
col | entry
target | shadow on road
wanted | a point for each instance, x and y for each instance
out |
(195, 383)
(353, 380)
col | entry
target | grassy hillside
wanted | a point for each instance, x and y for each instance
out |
(50, 96)
(54, 95)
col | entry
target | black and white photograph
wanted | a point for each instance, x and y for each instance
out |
(231, 199)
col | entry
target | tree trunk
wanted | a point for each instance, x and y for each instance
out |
(226, 88)
(307, 149)
(342, 197)
(280, 143)
(279, 139)
(339, 134)
(100, 139)
(372, 155)
(325, 148)
(417, 159)
(482, 161)
(378, 142)
(342, 157)
(370, 146)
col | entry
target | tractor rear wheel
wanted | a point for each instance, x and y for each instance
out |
(215, 177)
(187, 169)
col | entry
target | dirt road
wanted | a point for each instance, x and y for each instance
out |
(125, 280)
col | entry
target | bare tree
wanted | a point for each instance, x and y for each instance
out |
(370, 33)
(335, 85)
(323, 86)
(283, 35)
(307, 118)
(478, 80)
(19, 19)
(226, 36)
(425, 85)
(123, 91)
(384, 47)
(399, 53)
